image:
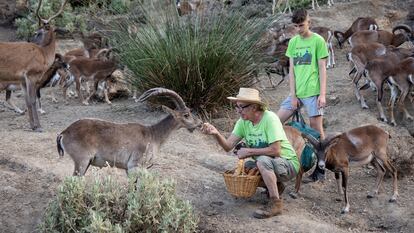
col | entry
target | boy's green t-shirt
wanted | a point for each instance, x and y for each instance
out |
(306, 53)
(266, 132)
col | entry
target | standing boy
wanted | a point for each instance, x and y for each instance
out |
(307, 54)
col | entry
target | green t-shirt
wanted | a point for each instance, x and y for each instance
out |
(266, 132)
(305, 54)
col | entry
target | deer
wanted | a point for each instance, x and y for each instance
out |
(99, 143)
(361, 23)
(358, 146)
(27, 62)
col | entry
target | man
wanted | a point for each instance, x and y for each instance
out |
(267, 145)
(307, 52)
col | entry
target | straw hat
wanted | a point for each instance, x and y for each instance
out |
(249, 95)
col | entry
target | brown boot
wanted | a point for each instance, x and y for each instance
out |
(273, 208)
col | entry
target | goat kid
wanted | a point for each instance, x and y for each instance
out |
(358, 146)
(90, 69)
(98, 143)
(27, 62)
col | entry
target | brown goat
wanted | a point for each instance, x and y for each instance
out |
(99, 143)
(362, 145)
(362, 23)
(384, 37)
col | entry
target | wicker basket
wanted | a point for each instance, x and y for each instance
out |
(241, 185)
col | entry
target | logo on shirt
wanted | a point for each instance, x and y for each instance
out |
(302, 59)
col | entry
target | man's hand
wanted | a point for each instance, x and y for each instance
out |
(243, 153)
(207, 128)
(294, 102)
(321, 101)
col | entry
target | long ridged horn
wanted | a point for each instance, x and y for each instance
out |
(159, 91)
(58, 13)
(404, 27)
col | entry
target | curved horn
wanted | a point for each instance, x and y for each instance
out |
(37, 13)
(178, 101)
(329, 138)
(315, 142)
(58, 13)
(404, 27)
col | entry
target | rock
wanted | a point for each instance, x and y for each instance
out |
(10, 9)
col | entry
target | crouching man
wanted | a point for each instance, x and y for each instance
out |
(267, 146)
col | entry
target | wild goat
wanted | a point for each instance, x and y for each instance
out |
(403, 80)
(362, 145)
(90, 69)
(362, 23)
(327, 34)
(383, 37)
(398, 75)
(27, 62)
(361, 54)
(281, 65)
(98, 143)
(50, 78)
(378, 71)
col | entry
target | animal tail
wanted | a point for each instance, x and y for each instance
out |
(60, 149)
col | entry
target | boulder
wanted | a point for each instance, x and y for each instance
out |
(10, 9)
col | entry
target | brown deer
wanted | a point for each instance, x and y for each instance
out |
(27, 62)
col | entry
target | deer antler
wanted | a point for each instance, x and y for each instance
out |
(58, 13)
(178, 101)
(37, 13)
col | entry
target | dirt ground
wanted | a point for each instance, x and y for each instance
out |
(31, 171)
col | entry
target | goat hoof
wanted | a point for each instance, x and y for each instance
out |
(365, 107)
(293, 195)
(370, 196)
(393, 123)
(338, 199)
(344, 211)
(392, 200)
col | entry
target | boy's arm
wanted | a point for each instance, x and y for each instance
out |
(292, 84)
(322, 80)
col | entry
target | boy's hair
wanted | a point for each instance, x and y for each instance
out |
(299, 16)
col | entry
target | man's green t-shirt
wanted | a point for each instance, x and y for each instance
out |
(305, 53)
(266, 132)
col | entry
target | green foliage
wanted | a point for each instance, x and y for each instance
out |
(68, 20)
(204, 58)
(106, 205)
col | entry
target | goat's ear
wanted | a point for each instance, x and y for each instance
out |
(168, 110)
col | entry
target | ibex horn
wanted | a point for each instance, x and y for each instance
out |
(159, 91)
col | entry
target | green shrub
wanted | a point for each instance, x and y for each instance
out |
(204, 58)
(106, 205)
(68, 20)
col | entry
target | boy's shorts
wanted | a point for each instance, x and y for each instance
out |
(310, 103)
(282, 167)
